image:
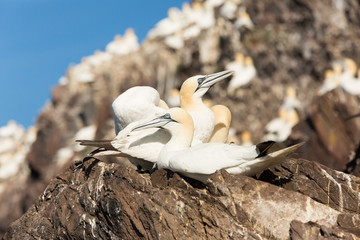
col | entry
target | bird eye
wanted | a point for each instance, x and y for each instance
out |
(167, 116)
(200, 80)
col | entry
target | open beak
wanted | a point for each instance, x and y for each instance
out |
(155, 123)
(209, 80)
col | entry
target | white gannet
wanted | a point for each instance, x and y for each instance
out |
(348, 82)
(173, 98)
(191, 93)
(244, 72)
(222, 123)
(132, 107)
(243, 21)
(123, 45)
(175, 40)
(139, 104)
(246, 139)
(167, 26)
(228, 10)
(280, 128)
(135, 104)
(200, 161)
(99, 58)
(331, 79)
(81, 72)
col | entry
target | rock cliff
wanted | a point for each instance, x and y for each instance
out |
(95, 200)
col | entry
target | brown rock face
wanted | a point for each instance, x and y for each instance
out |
(335, 189)
(331, 130)
(98, 200)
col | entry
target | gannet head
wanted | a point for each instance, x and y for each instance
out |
(117, 38)
(291, 92)
(248, 62)
(197, 86)
(328, 74)
(172, 121)
(239, 57)
(350, 66)
(246, 137)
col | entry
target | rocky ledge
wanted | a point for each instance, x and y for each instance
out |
(92, 199)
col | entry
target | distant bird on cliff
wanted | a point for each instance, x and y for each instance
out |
(243, 21)
(173, 99)
(279, 128)
(123, 45)
(191, 93)
(167, 26)
(81, 72)
(99, 58)
(348, 81)
(332, 79)
(246, 139)
(200, 161)
(244, 72)
(228, 10)
(222, 124)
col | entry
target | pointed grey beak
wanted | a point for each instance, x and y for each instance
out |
(155, 123)
(209, 80)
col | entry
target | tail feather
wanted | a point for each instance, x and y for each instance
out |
(269, 159)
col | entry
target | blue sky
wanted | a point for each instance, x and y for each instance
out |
(40, 38)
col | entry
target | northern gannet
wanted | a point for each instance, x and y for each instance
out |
(331, 79)
(246, 139)
(191, 93)
(81, 72)
(173, 98)
(167, 26)
(348, 82)
(132, 107)
(244, 72)
(243, 21)
(280, 128)
(139, 104)
(123, 45)
(200, 161)
(135, 104)
(222, 124)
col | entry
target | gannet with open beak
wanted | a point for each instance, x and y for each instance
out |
(201, 161)
(222, 123)
(191, 93)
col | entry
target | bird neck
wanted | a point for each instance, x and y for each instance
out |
(181, 138)
(191, 102)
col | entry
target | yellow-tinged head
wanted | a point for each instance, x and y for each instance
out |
(249, 62)
(328, 74)
(350, 66)
(197, 5)
(195, 87)
(239, 57)
(246, 138)
(290, 92)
